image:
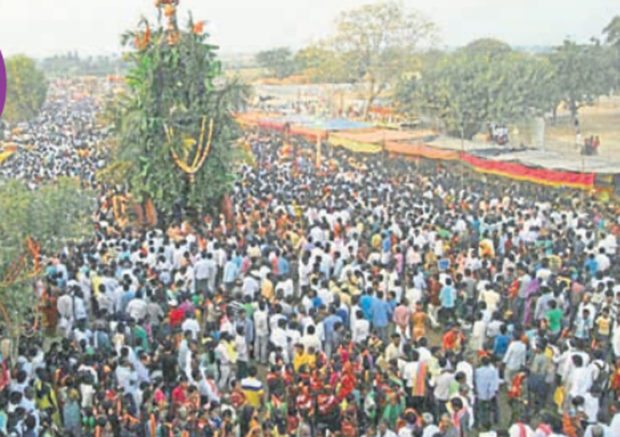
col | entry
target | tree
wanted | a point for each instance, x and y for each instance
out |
(612, 32)
(71, 64)
(278, 62)
(175, 126)
(466, 90)
(548, 90)
(320, 64)
(582, 74)
(26, 89)
(378, 42)
(612, 38)
(489, 46)
(50, 217)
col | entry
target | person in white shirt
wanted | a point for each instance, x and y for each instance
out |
(490, 296)
(544, 272)
(305, 268)
(117, 296)
(602, 260)
(580, 379)
(191, 324)
(477, 338)
(515, 357)
(79, 306)
(466, 368)
(310, 340)
(293, 336)
(591, 405)
(250, 285)
(325, 295)
(243, 356)
(317, 234)
(64, 306)
(226, 361)
(520, 430)
(275, 319)
(261, 333)
(409, 368)
(614, 426)
(609, 243)
(278, 339)
(360, 328)
(430, 429)
(209, 388)
(201, 273)
(177, 256)
(286, 287)
(136, 308)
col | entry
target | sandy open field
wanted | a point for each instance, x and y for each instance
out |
(603, 120)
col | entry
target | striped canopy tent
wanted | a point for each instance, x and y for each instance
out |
(251, 118)
(354, 146)
(341, 124)
(308, 133)
(312, 128)
(381, 110)
(373, 140)
(271, 124)
(420, 149)
(522, 172)
(304, 126)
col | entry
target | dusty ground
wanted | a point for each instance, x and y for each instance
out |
(603, 120)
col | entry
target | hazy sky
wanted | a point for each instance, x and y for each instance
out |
(44, 27)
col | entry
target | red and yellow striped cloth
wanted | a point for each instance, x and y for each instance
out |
(521, 172)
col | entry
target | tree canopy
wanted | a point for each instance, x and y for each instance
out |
(487, 81)
(26, 89)
(45, 219)
(612, 31)
(612, 38)
(71, 64)
(466, 90)
(378, 43)
(278, 62)
(175, 126)
(489, 46)
(582, 73)
(322, 64)
(388, 50)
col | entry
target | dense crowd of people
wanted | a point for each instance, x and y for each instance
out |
(369, 297)
(64, 140)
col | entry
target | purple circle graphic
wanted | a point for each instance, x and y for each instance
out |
(2, 83)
